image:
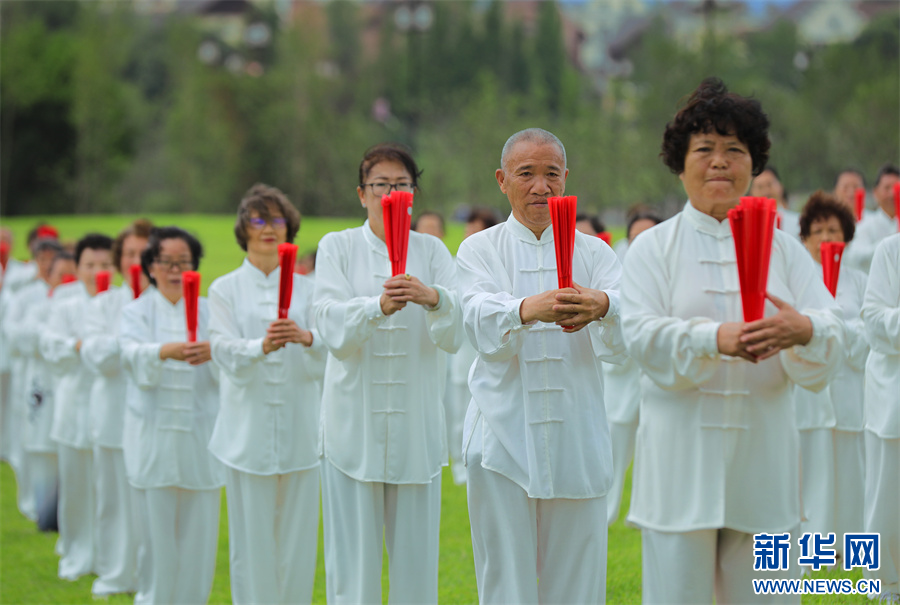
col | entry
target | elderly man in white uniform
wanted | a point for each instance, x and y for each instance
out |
(383, 422)
(60, 345)
(877, 224)
(716, 454)
(115, 511)
(173, 398)
(267, 430)
(537, 445)
(881, 314)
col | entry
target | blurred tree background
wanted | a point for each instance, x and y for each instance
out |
(104, 108)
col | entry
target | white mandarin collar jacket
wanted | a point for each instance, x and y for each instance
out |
(538, 390)
(268, 422)
(383, 417)
(715, 428)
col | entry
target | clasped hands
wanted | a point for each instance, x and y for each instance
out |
(195, 353)
(572, 308)
(283, 331)
(761, 339)
(402, 289)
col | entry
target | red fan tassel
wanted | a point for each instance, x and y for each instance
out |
(134, 274)
(397, 209)
(859, 202)
(831, 253)
(287, 256)
(190, 282)
(102, 280)
(562, 215)
(606, 236)
(4, 254)
(897, 204)
(752, 225)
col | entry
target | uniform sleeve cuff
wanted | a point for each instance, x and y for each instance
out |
(255, 348)
(373, 308)
(704, 339)
(816, 349)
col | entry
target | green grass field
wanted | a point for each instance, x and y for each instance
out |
(27, 561)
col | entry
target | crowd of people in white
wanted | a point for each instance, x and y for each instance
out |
(122, 431)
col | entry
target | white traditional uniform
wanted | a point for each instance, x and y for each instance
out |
(72, 429)
(536, 440)
(266, 435)
(622, 399)
(874, 227)
(16, 275)
(457, 401)
(881, 314)
(830, 424)
(17, 330)
(717, 456)
(383, 421)
(115, 514)
(172, 406)
(790, 221)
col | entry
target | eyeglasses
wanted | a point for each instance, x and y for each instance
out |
(167, 264)
(386, 188)
(277, 222)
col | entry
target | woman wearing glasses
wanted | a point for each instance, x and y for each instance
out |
(173, 399)
(266, 433)
(383, 422)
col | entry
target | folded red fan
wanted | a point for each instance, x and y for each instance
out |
(606, 236)
(102, 281)
(134, 275)
(397, 212)
(831, 253)
(897, 204)
(4, 254)
(752, 225)
(562, 216)
(190, 282)
(287, 256)
(859, 198)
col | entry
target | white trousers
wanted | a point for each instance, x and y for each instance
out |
(76, 512)
(849, 484)
(622, 437)
(817, 480)
(455, 404)
(181, 528)
(44, 479)
(360, 518)
(273, 527)
(5, 415)
(691, 567)
(115, 522)
(529, 550)
(24, 468)
(882, 512)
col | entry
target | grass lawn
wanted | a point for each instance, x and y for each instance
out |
(28, 564)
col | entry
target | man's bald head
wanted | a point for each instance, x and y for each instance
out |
(531, 135)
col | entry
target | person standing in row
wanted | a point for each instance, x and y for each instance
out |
(173, 398)
(383, 424)
(266, 433)
(537, 448)
(878, 224)
(881, 315)
(60, 345)
(115, 514)
(716, 416)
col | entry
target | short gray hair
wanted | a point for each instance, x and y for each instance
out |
(536, 135)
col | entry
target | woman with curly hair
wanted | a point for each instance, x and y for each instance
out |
(716, 453)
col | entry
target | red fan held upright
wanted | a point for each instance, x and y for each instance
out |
(134, 277)
(190, 282)
(397, 208)
(4, 254)
(859, 198)
(102, 281)
(606, 236)
(287, 256)
(562, 215)
(831, 253)
(753, 225)
(897, 204)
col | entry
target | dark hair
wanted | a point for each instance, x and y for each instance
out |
(784, 191)
(887, 169)
(43, 244)
(487, 217)
(260, 198)
(92, 241)
(858, 173)
(158, 236)
(596, 224)
(389, 152)
(641, 216)
(712, 108)
(61, 255)
(821, 206)
(433, 213)
(139, 228)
